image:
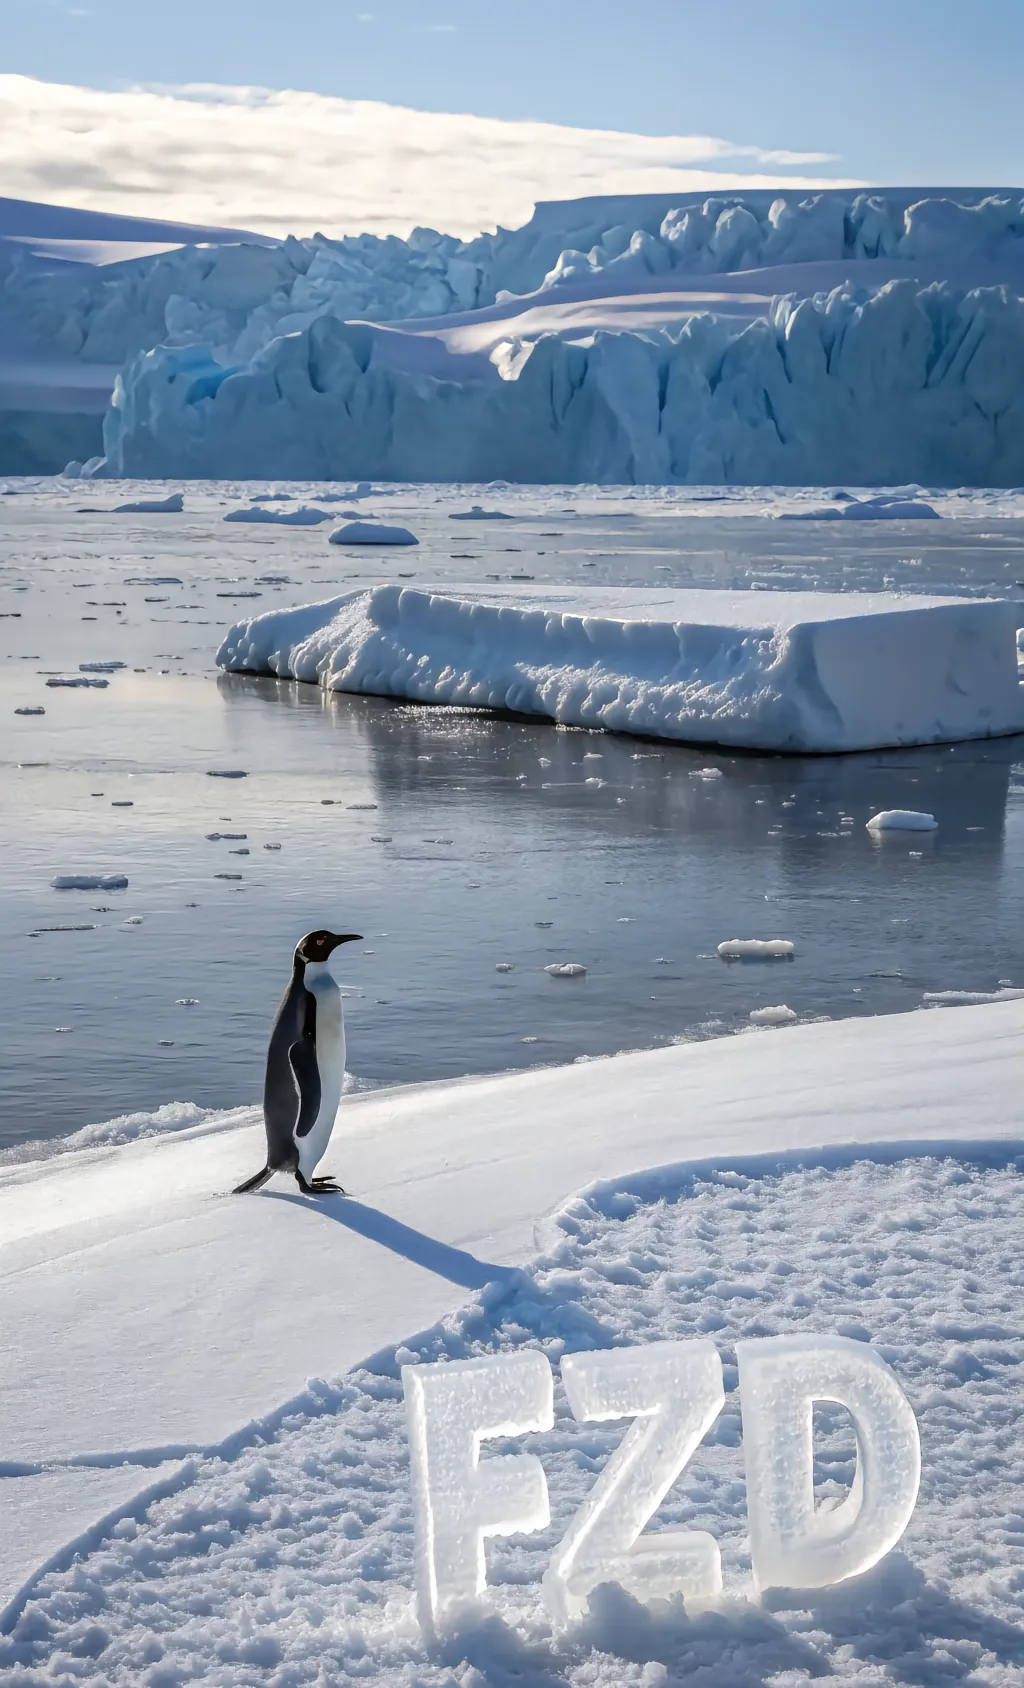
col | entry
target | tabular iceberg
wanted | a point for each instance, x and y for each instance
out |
(787, 671)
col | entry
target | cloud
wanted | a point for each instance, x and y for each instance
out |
(285, 161)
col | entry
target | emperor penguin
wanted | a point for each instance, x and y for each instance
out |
(305, 1068)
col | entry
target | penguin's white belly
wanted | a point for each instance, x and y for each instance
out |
(330, 1059)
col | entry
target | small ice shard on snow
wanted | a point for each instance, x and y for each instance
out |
(100, 667)
(503, 966)
(902, 820)
(756, 949)
(31, 709)
(304, 516)
(90, 882)
(565, 969)
(172, 505)
(226, 774)
(477, 513)
(372, 533)
(777, 1016)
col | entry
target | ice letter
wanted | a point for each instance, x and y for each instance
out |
(673, 1390)
(792, 1544)
(460, 1499)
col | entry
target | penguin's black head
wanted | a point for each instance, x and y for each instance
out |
(317, 946)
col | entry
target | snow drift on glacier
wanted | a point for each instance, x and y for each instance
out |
(906, 384)
(782, 671)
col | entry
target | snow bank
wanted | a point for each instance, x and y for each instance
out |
(779, 671)
(172, 505)
(905, 384)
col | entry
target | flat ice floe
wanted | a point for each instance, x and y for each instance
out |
(788, 671)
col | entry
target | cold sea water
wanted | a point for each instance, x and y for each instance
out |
(471, 850)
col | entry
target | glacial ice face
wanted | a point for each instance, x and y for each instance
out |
(460, 1499)
(907, 384)
(673, 1393)
(771, 671)
(793, 1544)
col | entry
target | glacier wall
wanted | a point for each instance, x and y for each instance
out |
(781, 671)
(906, 384)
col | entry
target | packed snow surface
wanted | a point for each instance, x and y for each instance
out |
(902, 820)
(234, 1524)
(780, 671)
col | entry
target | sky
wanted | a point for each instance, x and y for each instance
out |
(914, 92)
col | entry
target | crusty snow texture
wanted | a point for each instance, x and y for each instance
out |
(288, 1561)
(777, 671)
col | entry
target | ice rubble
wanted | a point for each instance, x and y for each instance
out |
(781, 671)
(906, 383)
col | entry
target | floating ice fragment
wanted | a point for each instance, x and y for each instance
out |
(227, 876)
(304, 516)
(89, 882)
(793, 1544)
(504, 967)
(705, 773)
(153, 580)
(186, 1002)
(31, 709)
(756, 949)
(954, 999)
(271, 846)
(902, 820)
(372, 533)
(226, 774)
(360, 805)
(565, 969)
(79, 680)
(477, 513)
(777, 1016)
(172, 505)
(375, 838)
(236, 837)
(134, 920)
(459, 1498)
(100, 667)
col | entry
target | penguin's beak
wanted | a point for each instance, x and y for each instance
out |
(344, 938)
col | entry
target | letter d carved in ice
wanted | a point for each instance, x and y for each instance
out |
(459, 1498)
(793, 1544)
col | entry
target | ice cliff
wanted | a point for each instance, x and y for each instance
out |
(906, 384)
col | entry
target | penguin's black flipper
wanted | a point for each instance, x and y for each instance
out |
(255, 1183)
(302, 1056)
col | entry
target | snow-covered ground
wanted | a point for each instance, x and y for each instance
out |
(861, 1177)
(784, 671)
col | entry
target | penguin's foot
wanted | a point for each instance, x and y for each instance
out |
(319, 1186)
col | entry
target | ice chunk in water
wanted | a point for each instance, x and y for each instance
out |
(756, 949)
(902, 820)
(792, 1543)
(673, 1392)
(460, 1499)
(778, 1015)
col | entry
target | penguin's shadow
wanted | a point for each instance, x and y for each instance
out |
(455, 1264)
